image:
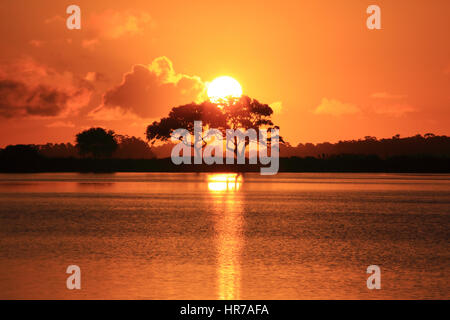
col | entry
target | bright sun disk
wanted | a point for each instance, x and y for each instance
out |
(223, 88)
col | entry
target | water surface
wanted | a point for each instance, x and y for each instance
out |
(203, 236)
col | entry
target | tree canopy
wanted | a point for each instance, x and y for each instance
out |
(132, 148)
(241, 113)
(96, 142)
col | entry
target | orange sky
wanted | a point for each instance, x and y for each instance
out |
(329, 77)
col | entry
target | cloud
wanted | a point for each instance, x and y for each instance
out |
(98, 27)
(55, 19)
(149, 91)
(385, 95)
(395, 110)
(390, 109)
(112, 114)
(30, 89)
(112, 24)
(95, 76)
(90, 44)
(115, 24)
(335, 107)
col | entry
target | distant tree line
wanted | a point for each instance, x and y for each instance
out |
(98, 150)
(429, 144)
(100, 143)
(91, 143)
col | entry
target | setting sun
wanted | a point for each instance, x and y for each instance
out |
(223, 88)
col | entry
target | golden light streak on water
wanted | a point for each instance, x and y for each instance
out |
(228, 222)
(224, 182)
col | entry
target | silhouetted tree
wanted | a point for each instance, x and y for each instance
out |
(132, 148)
(20, 158)
(429, 144)
(96, 142)
(241, 113)
(58, 150)
(20, 152)
(183, 117)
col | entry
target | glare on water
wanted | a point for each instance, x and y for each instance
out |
(224, 182)
(228, 223)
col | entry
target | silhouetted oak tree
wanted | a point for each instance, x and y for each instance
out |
(242, 113)
(97, 142)
(132, 148)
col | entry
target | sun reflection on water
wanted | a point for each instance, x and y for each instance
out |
(224, 182)
(228, 224)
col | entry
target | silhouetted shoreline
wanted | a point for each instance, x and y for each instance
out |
(417, 154)
(338, 163)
